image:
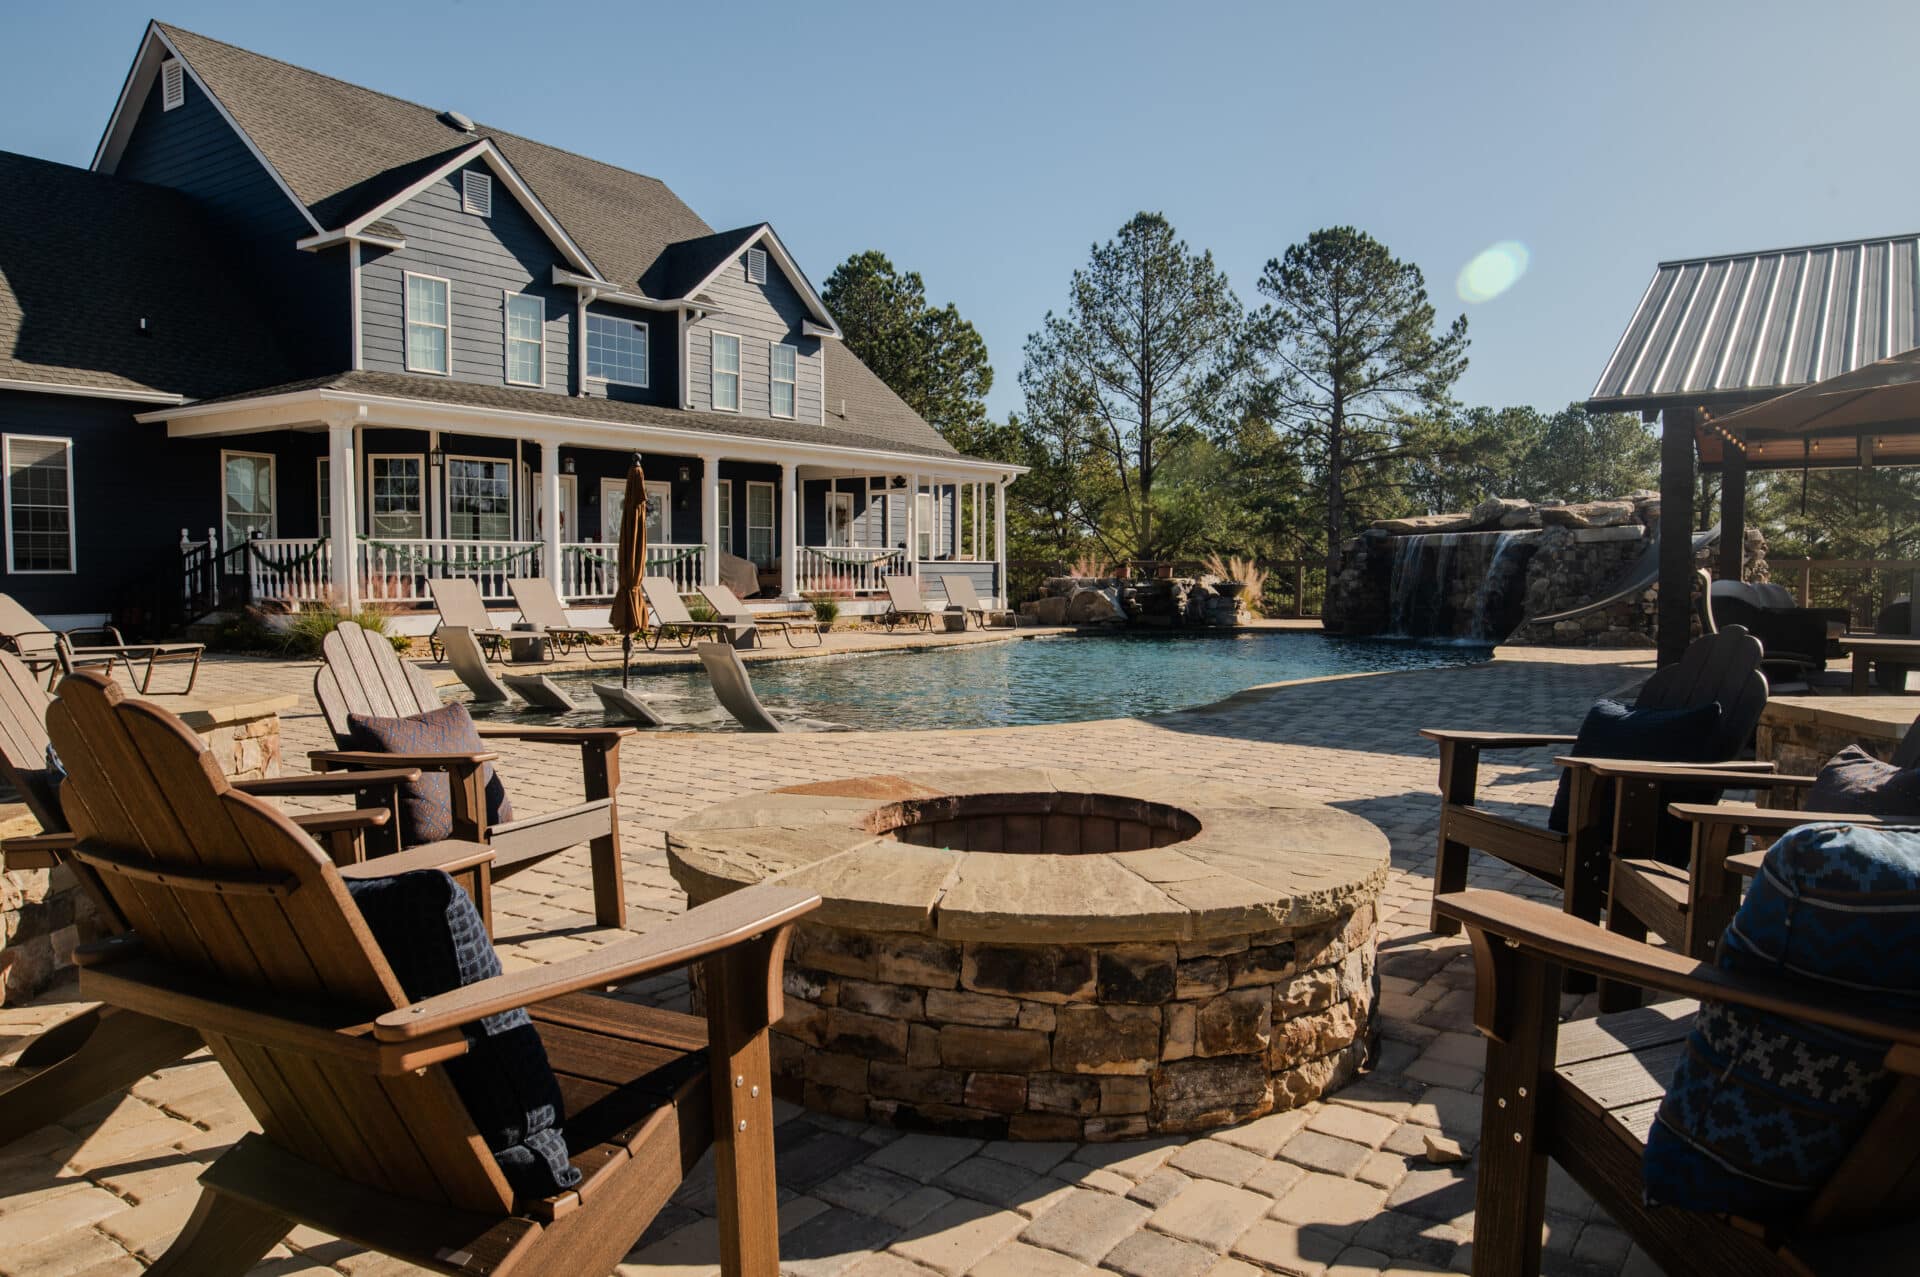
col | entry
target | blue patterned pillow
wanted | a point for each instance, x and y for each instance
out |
(1762, 1109)
(434, 940)
(426, 805)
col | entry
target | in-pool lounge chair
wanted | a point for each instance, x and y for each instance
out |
(730, 608)
(458, 601)
(964, 599)
(904, 604)
(734, 690)
(250, 939)
(671, 620)
(540, 603)
(54, 652)
(365, 676)
(470, 666)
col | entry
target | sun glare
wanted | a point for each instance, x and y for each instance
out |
(1492, 271)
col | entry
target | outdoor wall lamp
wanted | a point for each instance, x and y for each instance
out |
(439, 458)
(567, 465)
(686, 473)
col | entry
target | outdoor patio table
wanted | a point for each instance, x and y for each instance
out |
(1868, 648)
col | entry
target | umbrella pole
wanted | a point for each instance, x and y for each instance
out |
(626, 658)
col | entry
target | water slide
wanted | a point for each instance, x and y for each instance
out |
(1638, 578)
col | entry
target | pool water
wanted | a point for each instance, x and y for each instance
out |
(1040, 680)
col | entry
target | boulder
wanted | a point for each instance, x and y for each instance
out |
(1093, 607)
(1588, 514)
(1421, 524)
(1502, 512)
(1051, 610)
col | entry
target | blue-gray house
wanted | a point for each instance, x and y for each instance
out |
(293, 331)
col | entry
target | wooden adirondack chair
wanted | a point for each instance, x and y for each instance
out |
(98, 1051)
(1584, 1095)
(363, 675)
(247, 936)
(1724, 667)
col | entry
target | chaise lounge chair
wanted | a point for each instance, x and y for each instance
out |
(540, 603)
(964, 599)
(55, 652)
(459, 603)
(904, 604)
(728, 605)
(365, 1132)
(671, 620)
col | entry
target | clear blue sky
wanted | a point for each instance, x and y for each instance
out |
(987, 145)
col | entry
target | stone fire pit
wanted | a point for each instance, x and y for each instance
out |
(1047, 954)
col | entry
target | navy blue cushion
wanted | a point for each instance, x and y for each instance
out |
(434, 940)
(1762, 1109)
(1614, 730)
(1857, 783)
(426, 805)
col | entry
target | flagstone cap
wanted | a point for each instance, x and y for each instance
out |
(1040, 855)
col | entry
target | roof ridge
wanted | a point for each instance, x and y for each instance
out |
(1782, 250)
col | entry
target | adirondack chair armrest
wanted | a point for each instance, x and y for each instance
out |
(1497, 740)
(699, 933)
(453, 856)
(322, 759)
(329, 822)
(36, 851)
(1628, 767)
(1725, 775)
(320, 784)
(603, 736)
(1772, 820)
(1505, 926)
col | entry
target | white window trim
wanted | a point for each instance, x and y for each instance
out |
(507, 338)
(173, 84)
(664, 504)
(420, 510)
(723, 517)
(468, 179)
(714, 374)
(512, 503)
(273, 487)
(73, 512)
(646, 343)
(773, 513)
(836, 499)
(324, 500)
(407, 322)
(773, 380)
(924, 519)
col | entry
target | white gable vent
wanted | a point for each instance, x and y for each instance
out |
(476, 192)
(173, 84)
(756, 265)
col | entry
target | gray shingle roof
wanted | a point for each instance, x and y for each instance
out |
(84, 257)
(683, 265)
(443, 390)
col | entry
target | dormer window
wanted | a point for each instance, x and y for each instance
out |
(756, 265)
(476, 193)
(173, 84)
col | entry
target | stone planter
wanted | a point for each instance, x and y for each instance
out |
(1057, 955)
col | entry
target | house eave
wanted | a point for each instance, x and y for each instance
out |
(90, 392)
(332, 239)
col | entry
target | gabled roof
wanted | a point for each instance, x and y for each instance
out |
(681, 266)
(1744, 327)
(85, 257)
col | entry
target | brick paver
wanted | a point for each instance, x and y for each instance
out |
(1343, 1185)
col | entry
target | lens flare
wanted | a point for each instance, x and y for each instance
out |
(1492, 271)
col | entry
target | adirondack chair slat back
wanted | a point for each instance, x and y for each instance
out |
(144, 790)
(1723, 667)
(23, 741)
(364, 675)
(664, 598)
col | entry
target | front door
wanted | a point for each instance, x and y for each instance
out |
(839, 518)
(569, 526)
(613, 499)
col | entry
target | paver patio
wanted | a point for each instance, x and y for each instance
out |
(1340, 1186)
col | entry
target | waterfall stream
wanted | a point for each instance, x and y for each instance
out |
(1462, 585)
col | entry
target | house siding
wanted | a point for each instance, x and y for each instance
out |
(759, 315)
(192, 149)
(483, 259)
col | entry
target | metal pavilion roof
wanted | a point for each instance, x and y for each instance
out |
(1735, 329)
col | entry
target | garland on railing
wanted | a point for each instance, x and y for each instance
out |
(417, 559)
(653, 560)
(849, 562)
(301, 560)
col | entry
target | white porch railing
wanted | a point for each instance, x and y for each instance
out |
(844, 569)
(290, 570)
(398, 571)
(587, 567)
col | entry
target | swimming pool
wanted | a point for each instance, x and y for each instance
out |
(1026, 681)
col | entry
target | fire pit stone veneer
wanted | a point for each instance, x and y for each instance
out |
(1050, 954)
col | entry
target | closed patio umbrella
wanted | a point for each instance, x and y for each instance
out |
(629, 610)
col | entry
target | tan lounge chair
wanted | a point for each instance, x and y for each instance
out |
(904, 604)
(671, 620)
(734, 690)
(463, 654)
(730, 608)
(55, 652)
(251, 940)
(540, 603)
(963, 598)
(459, 603)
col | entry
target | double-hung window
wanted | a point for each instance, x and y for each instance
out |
(726, 372)
(479, 499)
(323, 486)
(396, 496)
(616, 350)
(783, 373)
(429, 324)
(39, 504)
(526, 339)
(760, 524)
(724, 508)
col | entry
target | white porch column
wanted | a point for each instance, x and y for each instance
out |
(913, 524)
(436, 500)
(343, 473)
(550, 508)
(710, 520)
(789, 530)
(1000, 541)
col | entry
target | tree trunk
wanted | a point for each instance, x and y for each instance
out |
(1336, 489)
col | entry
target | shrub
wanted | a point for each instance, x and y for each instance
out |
(826, 608)
(306, 631)
(1089, 566)
(701, 610)
(1245, 571)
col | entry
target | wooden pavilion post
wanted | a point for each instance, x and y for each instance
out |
(1733, 514)
(1675, 617)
